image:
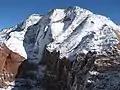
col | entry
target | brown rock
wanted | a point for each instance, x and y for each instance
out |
(9, 63)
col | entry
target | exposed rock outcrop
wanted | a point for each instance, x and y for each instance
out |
(63, 74)
(9, 63)
(88, 72)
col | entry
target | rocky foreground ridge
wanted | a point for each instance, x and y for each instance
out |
(66, 49)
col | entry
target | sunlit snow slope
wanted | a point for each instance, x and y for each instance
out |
(70, 31)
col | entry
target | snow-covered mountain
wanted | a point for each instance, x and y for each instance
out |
(13, 37)
(69, 31)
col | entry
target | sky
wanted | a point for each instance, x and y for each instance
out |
(13, 12)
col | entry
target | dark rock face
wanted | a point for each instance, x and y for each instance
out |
(88, 72)
(27, 76)
(62, 74)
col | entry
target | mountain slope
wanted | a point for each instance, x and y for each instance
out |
(70, 31)
(13, 37)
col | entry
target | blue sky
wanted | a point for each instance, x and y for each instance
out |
(15, 11)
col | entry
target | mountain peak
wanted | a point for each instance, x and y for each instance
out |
(70, 31)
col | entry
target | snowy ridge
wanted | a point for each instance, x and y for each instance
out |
(70, 31)
(95, 34)
(13, 37)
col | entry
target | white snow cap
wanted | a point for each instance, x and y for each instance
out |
(70, 31)
(17, 33)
